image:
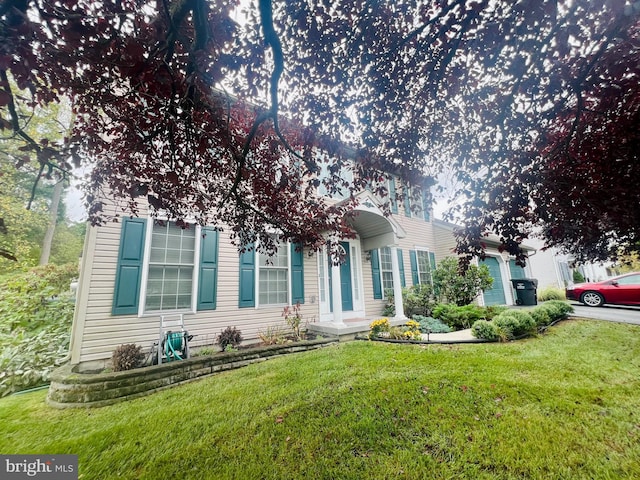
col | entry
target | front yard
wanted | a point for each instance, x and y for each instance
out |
(564, 405)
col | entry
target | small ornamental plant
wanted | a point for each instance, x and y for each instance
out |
(127, 357)
(379, 327)
(412, 331)
(230, 336)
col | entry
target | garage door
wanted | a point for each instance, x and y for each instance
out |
(494, 296)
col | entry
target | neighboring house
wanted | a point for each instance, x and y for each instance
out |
(135, 271)
(555, 269)
(502, 266)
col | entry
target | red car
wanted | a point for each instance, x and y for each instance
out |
(622, 290)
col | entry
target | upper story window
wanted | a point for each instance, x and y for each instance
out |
(416, 205)
(345, 173)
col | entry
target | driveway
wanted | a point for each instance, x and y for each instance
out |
(610, 313)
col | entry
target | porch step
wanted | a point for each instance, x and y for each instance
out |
(348, 329)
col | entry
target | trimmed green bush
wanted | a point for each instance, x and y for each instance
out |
(515, 323)
(431, 325)
(551, 293)
(459, 318)
(486, 330)
(564, 308)
(541, 316)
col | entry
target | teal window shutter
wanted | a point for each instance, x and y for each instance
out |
(375, 272)
(392, 195)
(126, 295)
(401, 268)
(297, 273)
(247, 294)
(208, 275)
(426, 212)
(407, 201)
(432, 261)
(413, 258)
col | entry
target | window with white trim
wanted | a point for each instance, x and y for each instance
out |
(170, 273)
(424, 267)
(386, 270)
(345, 173)
(273, 277)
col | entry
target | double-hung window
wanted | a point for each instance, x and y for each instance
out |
(171, 267)
(273, 277)
(271, 280)
(164, 267)
(382, 270)
(424, 267)
(423, 263)
(416, 205)
(386, 270)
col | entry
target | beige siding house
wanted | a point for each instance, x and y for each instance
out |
(138, 270)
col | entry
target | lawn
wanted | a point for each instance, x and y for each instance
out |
(563, 405)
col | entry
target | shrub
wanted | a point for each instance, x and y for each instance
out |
(492, 311)
(36, 311)
(515, 323)
(486, 330)
(418, 300)
(229, 336)
(453, 287)
(578, 277)
(459, 318)
(551, 293)
(559, 308)
(37, 298)
(378, 327)
(431, 325)
(127, 357)
(541, 316)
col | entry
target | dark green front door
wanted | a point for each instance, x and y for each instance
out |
(495, 295)
(345, 281)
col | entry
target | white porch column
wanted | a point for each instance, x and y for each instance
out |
(336, 293)
(397, 286)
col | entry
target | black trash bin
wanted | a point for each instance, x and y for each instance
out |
(526, 290)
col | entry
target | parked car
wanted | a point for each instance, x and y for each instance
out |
(622, 290)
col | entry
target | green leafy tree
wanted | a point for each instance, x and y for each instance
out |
(24, 229)
(452, 286)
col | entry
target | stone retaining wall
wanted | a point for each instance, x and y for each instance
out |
(72, 389)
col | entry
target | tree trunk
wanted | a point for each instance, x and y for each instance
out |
(53, 218)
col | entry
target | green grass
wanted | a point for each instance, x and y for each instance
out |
(565, 405)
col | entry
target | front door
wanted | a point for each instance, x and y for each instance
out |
(495, 295)
(350, 283)
(345, 280)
